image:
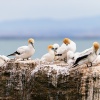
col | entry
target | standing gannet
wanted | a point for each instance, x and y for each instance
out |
(68, 45)
(88, 56)
(49, 57)
(55, 46)
(24, 52)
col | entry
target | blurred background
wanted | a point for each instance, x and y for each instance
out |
(48, 22)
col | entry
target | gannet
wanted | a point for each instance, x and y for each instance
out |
(3, 60)
(25, 52)
(68, 45)
(49, 57)
(55, 47)
(3, 57)
(88, 55)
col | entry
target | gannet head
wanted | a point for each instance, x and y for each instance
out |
(66, 41)
(55, 46)
(31, 41)
(50, 47)
(96, 45)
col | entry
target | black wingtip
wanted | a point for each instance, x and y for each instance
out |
(11, 55)
(14, 54)
(58, 55)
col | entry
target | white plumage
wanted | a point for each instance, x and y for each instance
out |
(68, 45)
(88, 55)
(24, 52)
(49, 57)
(97, 60)
(3, 60)
(55, 47)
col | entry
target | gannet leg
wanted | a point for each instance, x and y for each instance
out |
(91, 64)
(27, 59)
(75, 65)
(65, 60)
(87, 65)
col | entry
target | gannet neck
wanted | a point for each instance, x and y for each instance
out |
(51, 52)
(30, 42)
(30, 45)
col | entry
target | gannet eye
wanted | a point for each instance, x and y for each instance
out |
(52, 48)
(55, 48)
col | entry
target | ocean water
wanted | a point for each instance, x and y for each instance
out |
(10, 46)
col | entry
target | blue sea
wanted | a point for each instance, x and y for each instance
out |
(8, 46)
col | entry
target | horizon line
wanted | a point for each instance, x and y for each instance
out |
(53, 19)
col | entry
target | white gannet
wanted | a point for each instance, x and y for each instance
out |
(3, 60)
(55, 47)
(24, 52)
(88, 55)
(68, 45)
(49, 57)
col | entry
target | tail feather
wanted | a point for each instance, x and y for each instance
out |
(13, 54)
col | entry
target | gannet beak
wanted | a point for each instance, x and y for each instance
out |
(96, 52)
(66, 44)
(32, 44)
(55, 50)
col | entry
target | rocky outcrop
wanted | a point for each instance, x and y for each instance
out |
(34, 80)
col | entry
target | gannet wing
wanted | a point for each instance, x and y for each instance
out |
(22, 49)
(83, 55)
(80, 58)
(19, 51)
(46, 57)
(86, 52)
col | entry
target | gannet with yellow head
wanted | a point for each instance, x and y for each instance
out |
(71, 46)
(24, 52)
(68, 45)
(49, 57)
(88, 56)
